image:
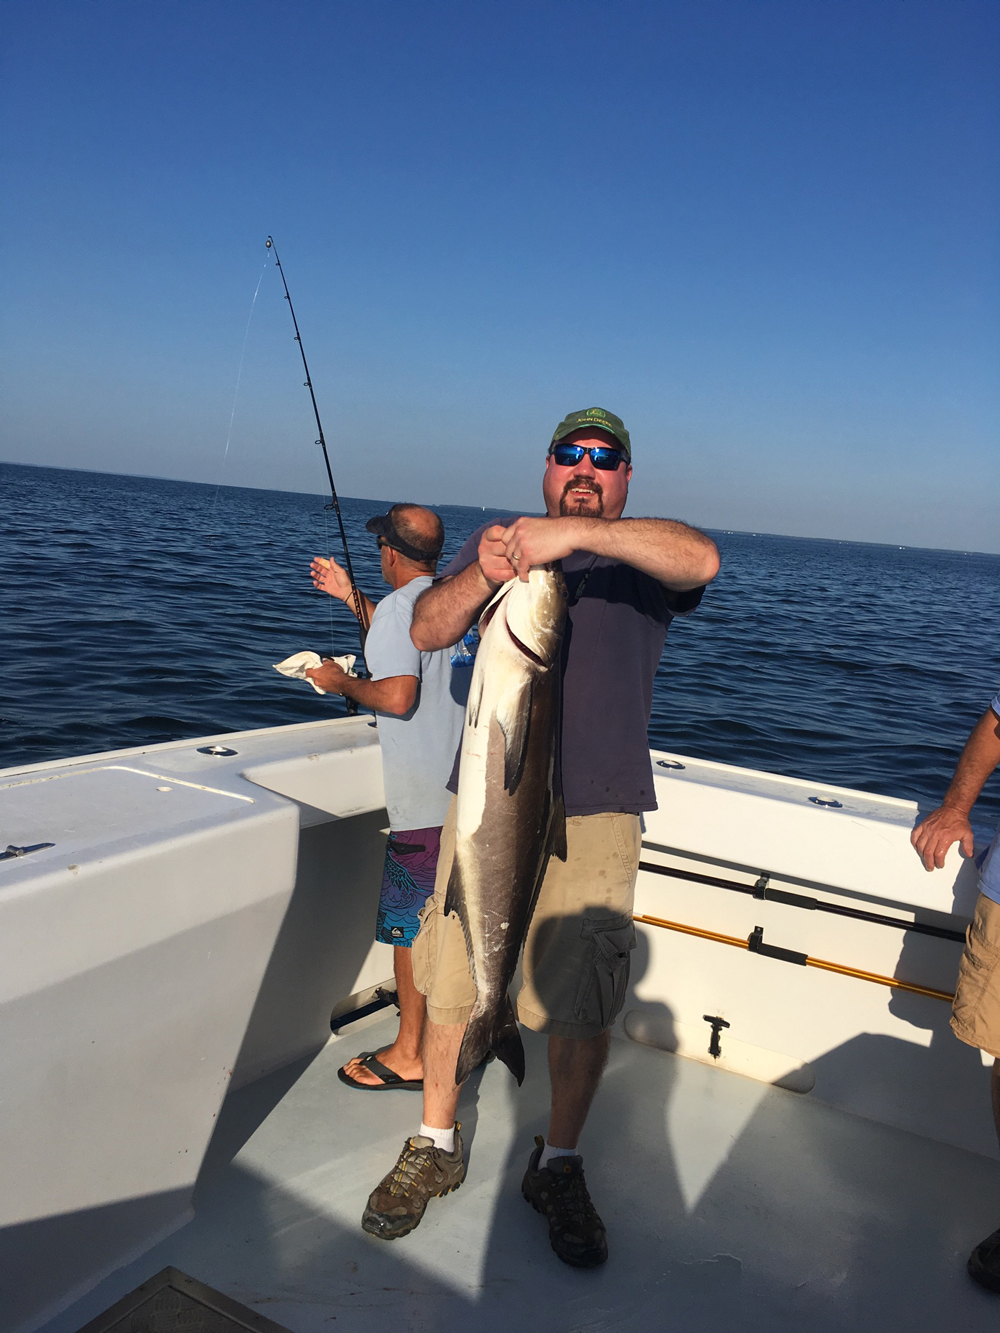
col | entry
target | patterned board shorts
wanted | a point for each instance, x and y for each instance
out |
(411, 857)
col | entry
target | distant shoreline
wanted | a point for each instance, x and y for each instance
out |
(361, 499)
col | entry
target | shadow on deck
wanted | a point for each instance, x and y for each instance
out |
(729, 1205)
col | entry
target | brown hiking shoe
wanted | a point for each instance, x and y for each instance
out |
(559, 1191)
(422, 1172)
(984, 1263)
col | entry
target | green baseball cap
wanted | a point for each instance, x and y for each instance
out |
(596, 417)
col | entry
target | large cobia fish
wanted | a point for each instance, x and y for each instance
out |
(510, 816)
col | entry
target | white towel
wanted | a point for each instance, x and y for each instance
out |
(296, 666)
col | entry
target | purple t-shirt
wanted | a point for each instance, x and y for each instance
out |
(618, 619)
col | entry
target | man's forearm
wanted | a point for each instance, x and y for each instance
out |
(446, 611)
(979, 758)
(949, 823)
(381, 696)
(363, 692)
(676, 555)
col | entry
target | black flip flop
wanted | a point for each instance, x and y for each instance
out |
(389, 1079)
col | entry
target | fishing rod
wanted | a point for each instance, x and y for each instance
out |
(360, 609)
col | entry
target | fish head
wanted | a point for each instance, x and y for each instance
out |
(535, 610)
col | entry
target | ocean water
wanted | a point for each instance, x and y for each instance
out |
(135, 610)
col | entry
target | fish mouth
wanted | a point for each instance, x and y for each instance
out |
(524, 648)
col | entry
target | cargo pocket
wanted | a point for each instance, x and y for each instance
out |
(601, 993)
(976, 1009)
(423, 951)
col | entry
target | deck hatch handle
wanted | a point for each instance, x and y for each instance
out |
(714, 1046)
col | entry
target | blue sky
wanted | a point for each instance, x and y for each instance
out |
(764, 232)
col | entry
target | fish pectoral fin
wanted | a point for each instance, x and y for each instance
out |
(454, 900)
(514, 719)
(475, 700)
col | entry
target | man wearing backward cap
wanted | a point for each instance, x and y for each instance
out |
(419, 699)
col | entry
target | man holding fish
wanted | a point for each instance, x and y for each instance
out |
(541, 845)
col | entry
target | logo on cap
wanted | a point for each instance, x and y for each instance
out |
(606, 421)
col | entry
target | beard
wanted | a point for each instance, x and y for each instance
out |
(586, 502)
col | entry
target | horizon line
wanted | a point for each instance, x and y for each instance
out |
(728, 532)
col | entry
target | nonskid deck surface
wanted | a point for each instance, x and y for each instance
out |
(729, 1205)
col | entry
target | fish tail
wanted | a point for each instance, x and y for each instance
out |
(506, 1041)
(491, 1032)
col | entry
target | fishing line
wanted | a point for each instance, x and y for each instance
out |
(239, 376)
(239, 373)
(360, 608)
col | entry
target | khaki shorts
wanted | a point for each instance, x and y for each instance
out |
(975, 1016)
(576, 956)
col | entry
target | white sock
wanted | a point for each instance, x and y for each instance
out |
(443, 1138)
(549, 1152)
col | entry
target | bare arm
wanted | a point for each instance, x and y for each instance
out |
(676, 555)
(446, 611)
(949, 823)
(331, 578)
(393, 694)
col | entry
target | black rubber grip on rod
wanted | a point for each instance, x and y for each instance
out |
(791, 899)
(800, 900)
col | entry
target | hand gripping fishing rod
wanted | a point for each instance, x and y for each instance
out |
(360, 610)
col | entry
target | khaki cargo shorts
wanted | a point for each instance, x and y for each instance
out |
(576, 956)
(975, 1015)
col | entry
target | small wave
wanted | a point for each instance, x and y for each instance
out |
(833, 661)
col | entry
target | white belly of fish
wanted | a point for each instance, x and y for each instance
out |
(500, 680)
(500, 683)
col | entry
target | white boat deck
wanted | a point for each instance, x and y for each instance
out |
(729, 1205)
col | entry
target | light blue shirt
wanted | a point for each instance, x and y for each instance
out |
(418, 749)
(989, 874)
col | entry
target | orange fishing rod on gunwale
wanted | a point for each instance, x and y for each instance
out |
(755, 945)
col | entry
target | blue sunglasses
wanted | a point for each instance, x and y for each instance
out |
(603, 457)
